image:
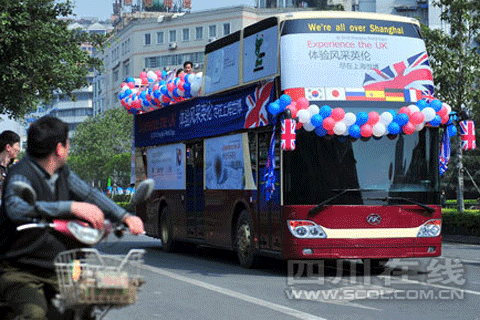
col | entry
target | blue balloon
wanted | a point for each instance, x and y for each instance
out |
(157, 94)
(186, 87)
(362, 118)
(316, 120)
(130, 79)
(325, 111)
(284, 100)
(436, 105)
(401, 119)
(452, 130)
(162, 83)
(436, 121)
(274, 108)
(392, 112)
(163, 89)
(393, 128)
(175, 93)
(128, 92)
(354, 131)
(143, 95)
(421, 104)
(320, 131)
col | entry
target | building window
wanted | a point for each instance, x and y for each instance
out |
(186, 34)
(199, 33)
(126, 70)
(173, 35)
(147, 39)
(212, 31)
(115, 75)
(160, 37)
(226, 29)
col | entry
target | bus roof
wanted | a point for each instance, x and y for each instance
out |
(345, 15)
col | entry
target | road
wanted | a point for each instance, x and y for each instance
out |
(203, 283)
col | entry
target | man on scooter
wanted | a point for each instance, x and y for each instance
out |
(26, 270)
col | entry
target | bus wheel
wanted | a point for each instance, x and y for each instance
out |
(376, 265)
(244, 241)
(168, 244)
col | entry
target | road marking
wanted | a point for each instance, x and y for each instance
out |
(270, 305)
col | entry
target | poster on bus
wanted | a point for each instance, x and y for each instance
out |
(166, 165)
(260, 54)
(222, 68)
(355, 59)
(227, 163)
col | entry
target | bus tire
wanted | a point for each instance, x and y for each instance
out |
(166, 234)
(244, 245)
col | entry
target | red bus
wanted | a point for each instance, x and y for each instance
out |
(362, 181)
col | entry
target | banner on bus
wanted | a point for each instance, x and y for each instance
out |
(206, 116)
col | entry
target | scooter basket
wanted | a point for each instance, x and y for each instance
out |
(87, 277)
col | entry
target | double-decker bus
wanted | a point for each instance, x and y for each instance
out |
(350, 189)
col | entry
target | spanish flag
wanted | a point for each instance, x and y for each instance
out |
(375, 95)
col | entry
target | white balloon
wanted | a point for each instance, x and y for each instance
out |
(349, 119)
(419, 127)
(385, 118)
(413, 108)
(303, 116)
(379, 129)
(449, 109)
(125, 87)
(340, 128)
(308, 126)
(194, 88)
(313, 109)
(429, 113)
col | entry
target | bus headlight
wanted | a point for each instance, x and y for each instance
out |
(430, 229)
(305, 229)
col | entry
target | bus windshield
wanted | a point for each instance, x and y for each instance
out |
(406, 166)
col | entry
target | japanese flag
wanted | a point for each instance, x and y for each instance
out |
(335, 94)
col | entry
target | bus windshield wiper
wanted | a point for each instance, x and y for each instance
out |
(424, 206)
(317, 208)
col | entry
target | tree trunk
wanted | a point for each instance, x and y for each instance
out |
(460, 186)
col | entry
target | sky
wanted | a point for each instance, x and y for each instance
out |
(102, 9)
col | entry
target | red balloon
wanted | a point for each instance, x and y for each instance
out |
(366, 130)
(442, 112)
(131, 84)
(302, 103)
(293, 110)
(409, 128)
(170, 86)
(331, 132)
(373, 118)
(328, 123)
(143, 74)
(338, 114)
(417, 117)
(299, 125)
(445, 119)
(405, 110)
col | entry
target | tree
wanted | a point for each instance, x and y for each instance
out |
(101, 148)
(39, 55)
(455, 60)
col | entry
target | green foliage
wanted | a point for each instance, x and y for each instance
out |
(464, 223)
(101, 148)
(39, 55)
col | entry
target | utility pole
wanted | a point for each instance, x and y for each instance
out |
(460, 180)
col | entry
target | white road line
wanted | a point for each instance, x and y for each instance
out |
(270, 305)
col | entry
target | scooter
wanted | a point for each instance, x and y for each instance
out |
(90, 283)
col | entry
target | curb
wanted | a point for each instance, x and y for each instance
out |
(461, 239)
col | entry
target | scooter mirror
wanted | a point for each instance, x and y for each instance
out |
(143, 192)
(25, 191)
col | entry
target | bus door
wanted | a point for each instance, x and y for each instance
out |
(269, 212)
(195, 203)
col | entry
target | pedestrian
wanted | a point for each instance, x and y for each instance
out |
(9, 150)
(188, 67)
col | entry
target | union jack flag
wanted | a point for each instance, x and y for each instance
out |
(269, 176)
(257, 103)
(288, 134)
(412, 73)
(444, 156)
(467, 134)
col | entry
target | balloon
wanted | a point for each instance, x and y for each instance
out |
(354, 131)
(320, 131)
(349, 118)
(186, 87)
(308, 126)
(420, 126)
(373, 118)
(195, 88)
(413, 108)
(393, 128)
(436, 105)
(405, 110)
(385, 118)
(408, 128)
(422, 104)
(317, 120)
(293, 110)
(313, 109)
(449, 109)
(303, 116)
(302, 103)
(379, 129)
(362, 118)
(401, 119)
(328, 123)
(338, 114)
(417, 117)
(443, 111)
(131, 85)
(325, 111)
(284, 100)
(170, 86)
(445, 119)
(299, 125)
(339, 128)
(274, 108)
(366, 130)
(452, 130)
(435, 122)
(429, 114)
